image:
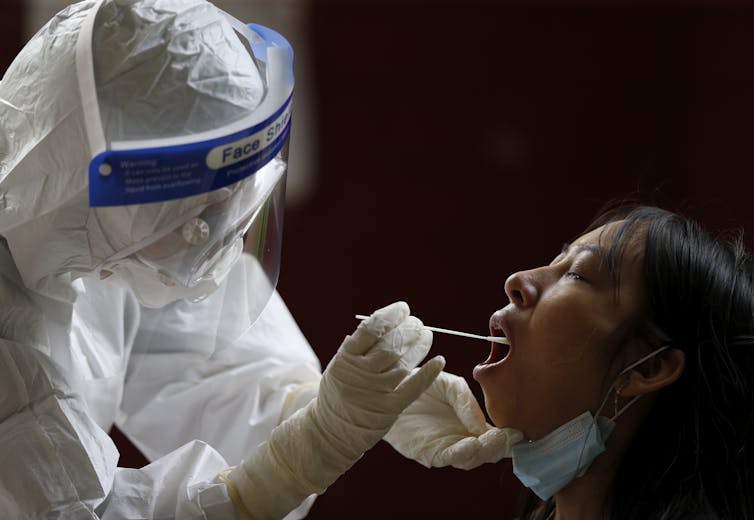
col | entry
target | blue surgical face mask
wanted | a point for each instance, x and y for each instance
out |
(548, 464)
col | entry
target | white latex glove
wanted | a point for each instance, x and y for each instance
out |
(366, 385)
(446, 427)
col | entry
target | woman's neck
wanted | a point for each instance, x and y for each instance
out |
(587, 497)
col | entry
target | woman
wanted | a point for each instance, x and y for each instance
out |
(648, 320)
(629, 375)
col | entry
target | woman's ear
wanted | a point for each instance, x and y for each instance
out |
(665, 368)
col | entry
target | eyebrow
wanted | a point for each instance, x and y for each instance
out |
(597, 250)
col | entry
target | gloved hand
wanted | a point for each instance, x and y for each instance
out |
(446, 427)
(366, 385)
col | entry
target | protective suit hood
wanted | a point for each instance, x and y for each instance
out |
(146, 55)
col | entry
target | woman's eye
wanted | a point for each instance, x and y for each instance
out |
(575, 276)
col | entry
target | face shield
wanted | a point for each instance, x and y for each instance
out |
(189, 201)
(191, 257)
(205, 246)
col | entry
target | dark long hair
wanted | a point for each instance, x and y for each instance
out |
(694, 452)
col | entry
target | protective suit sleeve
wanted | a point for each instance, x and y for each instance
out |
(58, 463)
(46, 442)
(446, 427)
(183, 484)
(366, 385)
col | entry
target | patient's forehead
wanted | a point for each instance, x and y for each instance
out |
(618, 243)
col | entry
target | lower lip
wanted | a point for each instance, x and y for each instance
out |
(488, 364)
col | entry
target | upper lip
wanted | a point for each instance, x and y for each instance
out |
(499, 324)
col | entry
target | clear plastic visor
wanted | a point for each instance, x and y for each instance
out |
(206, 244)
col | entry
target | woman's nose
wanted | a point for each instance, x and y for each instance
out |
(521, 289)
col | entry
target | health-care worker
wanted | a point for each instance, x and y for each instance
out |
(140, 141)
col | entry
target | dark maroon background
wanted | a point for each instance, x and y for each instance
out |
(463, 140)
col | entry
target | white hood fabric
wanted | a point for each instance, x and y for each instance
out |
(78, 354)
(163, 68)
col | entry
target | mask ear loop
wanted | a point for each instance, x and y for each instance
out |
(617, 413)
(616, 396)
(607, 394)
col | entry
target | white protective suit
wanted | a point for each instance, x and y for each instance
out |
(238, 422)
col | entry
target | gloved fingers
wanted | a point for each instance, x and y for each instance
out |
(493, 445)
(416, 383)
(454, 450)
(402, 348)
(490, 447)
(375, 327)
(463, 402)
(462, 454)
(421, 436)
(426, 451)
(431, 411)
(348, 373)
(418, 349)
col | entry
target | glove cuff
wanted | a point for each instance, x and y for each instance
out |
(297, 461)
(265, 490)
(235, 496)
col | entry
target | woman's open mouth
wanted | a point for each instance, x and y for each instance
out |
(499, 352)
(499, 356)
